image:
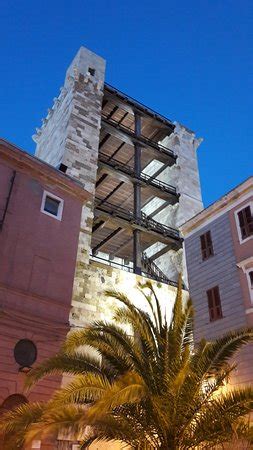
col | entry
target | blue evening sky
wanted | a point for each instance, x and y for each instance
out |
(189, 60)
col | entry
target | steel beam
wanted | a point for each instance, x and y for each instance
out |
(137, 251)
(159, 209)
(97, 225)
(160, 252)
(137, 197)
(123, 117)
(105, 101)
(106, 240)
(111, 193)
(112, 112)
(104, 140)
(152, 177)
(101, 179)
(117, 150)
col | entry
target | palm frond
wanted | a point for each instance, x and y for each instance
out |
(69, 420)
(83, 389)
(218, 422)
(150, 390)
(129, 388)
(72, 364)
(214, 355)
(15, 423)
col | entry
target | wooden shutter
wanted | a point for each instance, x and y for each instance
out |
(246, 222)
(206, 245)
(214, 303)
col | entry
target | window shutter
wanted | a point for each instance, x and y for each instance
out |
(214, 304)
(245, 222)
(206, 245)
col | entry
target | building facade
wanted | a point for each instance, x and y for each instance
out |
(141, 171)
(219, 257)
(40, 212)
(98, 207)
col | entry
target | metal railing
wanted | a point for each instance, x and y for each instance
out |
(114, 163)
(154, 270)
(111, 263)
(143, 139)
(139, 105)
(143, 220)
(129, 269)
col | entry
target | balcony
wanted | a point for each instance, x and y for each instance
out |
(127, 268)
(144, 222)
(148, 180)
(139, 138)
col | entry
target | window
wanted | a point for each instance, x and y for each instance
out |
(63, 168)
(25, 353)
(214, 304)
(91, 71)
(52, 205)
(249, 274)
(12, 402)
(247, 266)
(245, 220)
(251, 279)
(206, 245)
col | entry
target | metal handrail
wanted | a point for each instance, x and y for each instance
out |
(143, 177)
(153, 268)
(119, 266)
(143, 220)
(141, 138)
(139, 105)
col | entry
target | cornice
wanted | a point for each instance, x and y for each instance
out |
(224, 204)
(43, 171)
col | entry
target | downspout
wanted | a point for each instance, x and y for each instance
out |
(8, 199)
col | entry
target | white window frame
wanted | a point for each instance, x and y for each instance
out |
(246, 270)
(60, 208)
(250, 204)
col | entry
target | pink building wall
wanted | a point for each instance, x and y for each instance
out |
(37, 264)
(243, 251)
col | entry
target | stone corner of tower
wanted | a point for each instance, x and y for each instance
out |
(88, 63)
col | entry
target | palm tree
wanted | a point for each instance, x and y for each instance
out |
(150, 389)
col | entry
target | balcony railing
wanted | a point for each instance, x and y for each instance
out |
(112, 162)
(126, 268)
(153, 269)
(139, 105)
(143, 221)
(141, 138)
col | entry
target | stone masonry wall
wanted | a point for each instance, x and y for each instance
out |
(93, 305)
(70, 136)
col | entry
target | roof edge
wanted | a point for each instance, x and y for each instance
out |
(25, 160)
(216, 207)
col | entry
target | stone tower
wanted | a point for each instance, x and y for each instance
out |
(141, 170)
(69, 137)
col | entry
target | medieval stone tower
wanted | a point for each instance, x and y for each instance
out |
(142, 172)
